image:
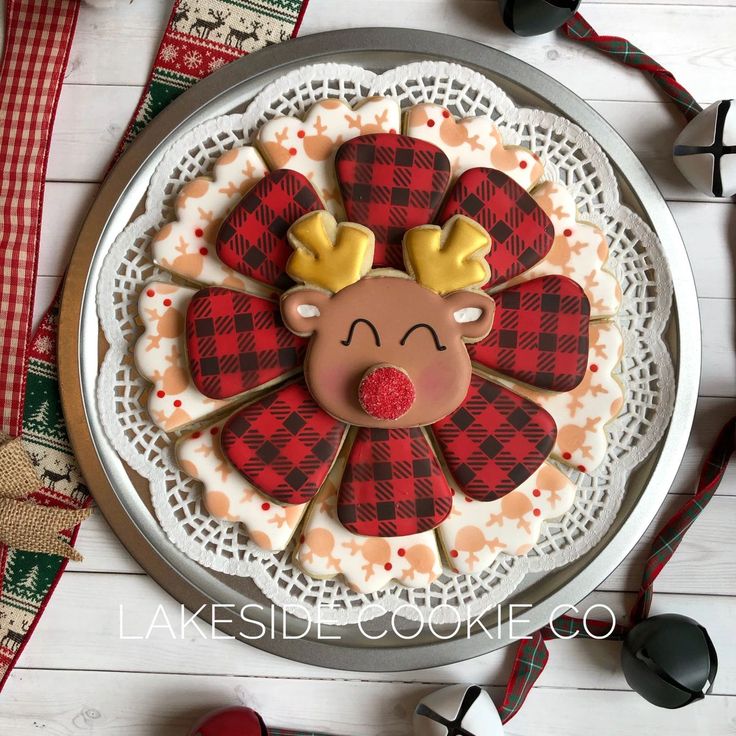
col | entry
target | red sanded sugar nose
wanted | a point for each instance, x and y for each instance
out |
(386, 392)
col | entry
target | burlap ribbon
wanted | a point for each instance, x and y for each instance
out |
(24, 524)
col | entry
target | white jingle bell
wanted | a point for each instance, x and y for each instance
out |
(456, 710)
(705, 152)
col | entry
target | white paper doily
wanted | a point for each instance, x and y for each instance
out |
(571, 157)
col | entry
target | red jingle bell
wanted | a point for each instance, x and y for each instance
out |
(237, 721)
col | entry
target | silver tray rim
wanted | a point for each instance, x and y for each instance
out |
(194, 585)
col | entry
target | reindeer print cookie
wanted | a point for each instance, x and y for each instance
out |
(308, 146)
(472, 143)
(187, 245)
(161, 357)
(404, 326)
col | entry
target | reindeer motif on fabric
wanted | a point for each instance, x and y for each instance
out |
(203, 27)
(238, 37)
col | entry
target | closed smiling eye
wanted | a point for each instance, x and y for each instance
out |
(353, 326)
(423, 325)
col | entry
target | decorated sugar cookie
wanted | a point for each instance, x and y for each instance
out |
(186, 246)
(579, 251)
(389, 352)
(472, 143)
(228, 496)
(326, 549)
(581, 415)
(399, 361)
(308, 146)
(475, 533)
(161, 357)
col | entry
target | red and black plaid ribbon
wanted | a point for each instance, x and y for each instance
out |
(578, 29)
(532, 654)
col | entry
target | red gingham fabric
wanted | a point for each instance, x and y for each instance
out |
(539, 335)
(39, 36)
(284, 444)
(393, 485)
(252, 239)
(237, 342)
(391, 183)
(521, 232)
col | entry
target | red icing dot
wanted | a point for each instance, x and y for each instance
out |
(454, 553)
(214, 430)
(430, 123)
(199, 232)
(203, 251)
(388, 566)
(301, 134)
(401, 552)
(160, 394)
(177, 403)
(292, 152)
(522, 164)
(301, 539)
(150, 292)
(536, 492)
(567, 232)
(266, 506)
(386, 392)
(392, 131)
(581, 468)
(594, 368)
(445, 113)
(537, 512)
(196, 435)
(566, 455)
(167, 302)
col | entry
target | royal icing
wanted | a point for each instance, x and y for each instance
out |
(308, 145)
(472, 142)
(579, 251)
(582, 414)
(186, 246)
(393, 485)
(367, 564)
(229, 496)
(160, 356)
(475, 533)
(391, 183)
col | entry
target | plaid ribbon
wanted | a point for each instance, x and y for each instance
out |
(532, 654)
(39, 36)
(578, 29)
(198, 40)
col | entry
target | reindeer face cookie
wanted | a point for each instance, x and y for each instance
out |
(388, 350)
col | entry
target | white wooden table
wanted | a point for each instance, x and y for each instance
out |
(78, 676)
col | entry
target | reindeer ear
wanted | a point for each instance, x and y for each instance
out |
(473, 312)
(301, 309)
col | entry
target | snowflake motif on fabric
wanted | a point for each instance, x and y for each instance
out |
(397, 364)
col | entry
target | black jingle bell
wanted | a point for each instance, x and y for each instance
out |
(534, 17)
(669, 660)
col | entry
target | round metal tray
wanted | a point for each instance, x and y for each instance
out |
(122, 496)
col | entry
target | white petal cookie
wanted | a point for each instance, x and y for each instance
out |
(229, 496)
(476, 532)
(160, 356)
(186, 246)
(472, 142)
(579, 251)
(308, 146)
(582, 414)
(326, 549)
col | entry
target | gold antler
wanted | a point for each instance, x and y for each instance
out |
(449, 258)
(329, 255)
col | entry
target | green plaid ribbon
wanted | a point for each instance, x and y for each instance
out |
(532, 654)
(578, 29)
